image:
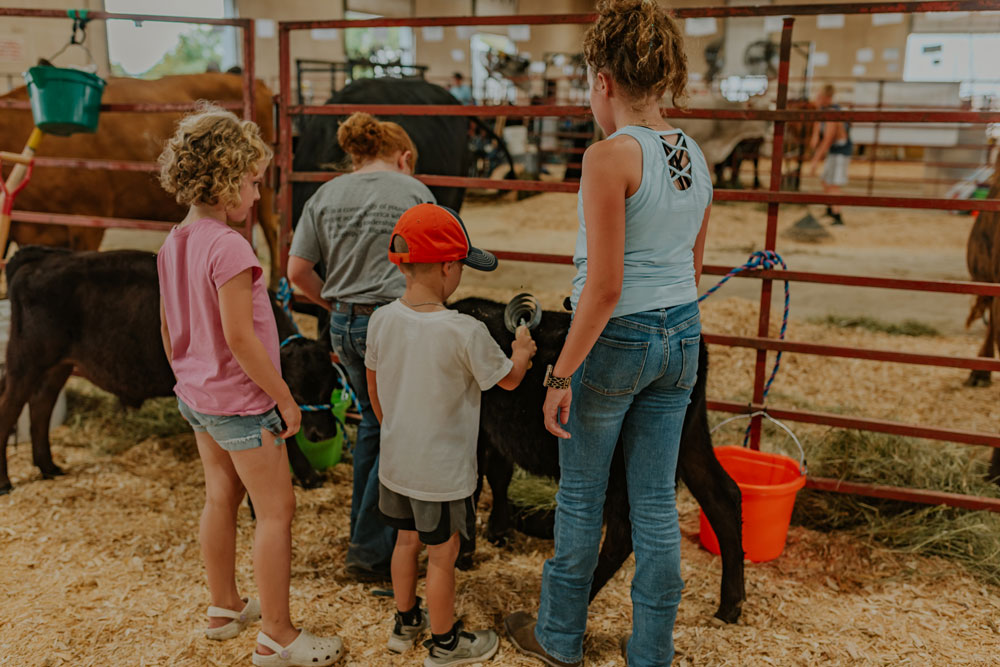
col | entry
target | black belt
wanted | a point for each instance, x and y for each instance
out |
(356, 308)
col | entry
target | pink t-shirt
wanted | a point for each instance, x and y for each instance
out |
(194, 262)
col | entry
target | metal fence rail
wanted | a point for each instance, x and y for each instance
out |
(773, 197)
(246, 107)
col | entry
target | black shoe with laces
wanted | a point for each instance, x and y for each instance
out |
(469, 647)
(405, 634)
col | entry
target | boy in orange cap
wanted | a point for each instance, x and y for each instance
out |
(427, 366)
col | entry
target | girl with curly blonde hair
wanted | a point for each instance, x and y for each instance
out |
(630, 359)
(221, 340)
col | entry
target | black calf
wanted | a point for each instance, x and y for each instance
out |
(99, 313)
(511, 431)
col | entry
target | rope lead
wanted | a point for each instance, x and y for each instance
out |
(761, 260)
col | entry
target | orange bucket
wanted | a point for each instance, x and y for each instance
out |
(768, 484)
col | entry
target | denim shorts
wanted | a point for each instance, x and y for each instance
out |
(234, 433)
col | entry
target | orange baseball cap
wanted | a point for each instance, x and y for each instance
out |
(433, 234)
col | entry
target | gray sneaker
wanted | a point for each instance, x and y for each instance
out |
(403, 636)
(471, 647)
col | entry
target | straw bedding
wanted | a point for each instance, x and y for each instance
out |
(102, 567)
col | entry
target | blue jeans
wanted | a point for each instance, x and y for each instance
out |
(371, 541)
(636, 382)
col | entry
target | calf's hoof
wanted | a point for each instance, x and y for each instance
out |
(464, 562)
(978, 379)
(51, 471)
(5, 488)
(729, 612)
(501, 540)
(314, 480)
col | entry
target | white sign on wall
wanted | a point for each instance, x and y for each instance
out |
(886, 19)
(830, 21)
(821, 59)
(519, 33)
(325, 34)
(432, 33)
(265, 28)
(773, 23)
(700, 27)
(865, 55)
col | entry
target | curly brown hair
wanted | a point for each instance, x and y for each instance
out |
(209, 155)
(365, 138)
(640, 47)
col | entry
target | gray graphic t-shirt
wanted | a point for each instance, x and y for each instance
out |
(347, 225)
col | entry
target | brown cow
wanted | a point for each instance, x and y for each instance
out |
(120, 136)
(983, 257)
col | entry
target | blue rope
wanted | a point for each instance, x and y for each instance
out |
(295, 336)
(284, 298)
(760, 260)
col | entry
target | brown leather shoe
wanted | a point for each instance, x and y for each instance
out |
(521, 628)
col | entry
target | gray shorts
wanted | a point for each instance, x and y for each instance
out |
(435, 522)
(835, 169)
(234, 433)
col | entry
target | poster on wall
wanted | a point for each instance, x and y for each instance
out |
(11, 49)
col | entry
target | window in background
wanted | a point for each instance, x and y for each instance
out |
(153, 49)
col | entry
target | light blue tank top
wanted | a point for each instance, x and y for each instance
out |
(661, 225)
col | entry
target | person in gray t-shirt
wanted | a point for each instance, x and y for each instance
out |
(346, 225)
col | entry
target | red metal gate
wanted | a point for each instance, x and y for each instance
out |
(246, 107)
(773, 197)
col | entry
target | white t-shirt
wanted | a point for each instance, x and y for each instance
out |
(431, 369)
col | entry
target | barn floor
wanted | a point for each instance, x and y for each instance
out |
(101, 567)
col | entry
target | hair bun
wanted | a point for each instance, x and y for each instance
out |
(361, 136)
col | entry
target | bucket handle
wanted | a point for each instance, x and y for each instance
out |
(763, 413)
(80, 21)
(345, 386)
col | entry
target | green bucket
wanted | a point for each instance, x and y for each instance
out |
(63, 100)
(326, 453)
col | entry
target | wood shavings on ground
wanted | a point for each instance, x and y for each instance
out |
(102, 567)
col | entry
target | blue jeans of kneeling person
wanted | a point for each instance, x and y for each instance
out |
(637, 382)
(371, 541)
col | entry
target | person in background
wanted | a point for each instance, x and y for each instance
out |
(346, 226)
(461, 90)
(833, 142)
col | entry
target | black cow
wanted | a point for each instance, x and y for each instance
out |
(99, 313)
(511, 430)
(442, 141)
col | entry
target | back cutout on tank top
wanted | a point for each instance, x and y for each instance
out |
(679, 170)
